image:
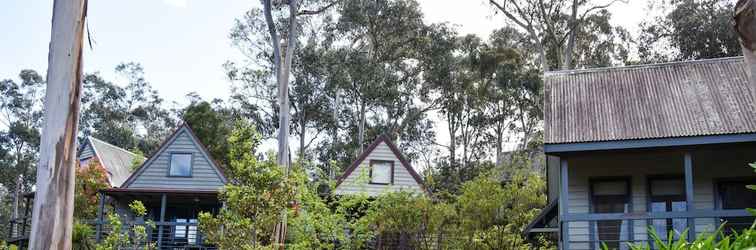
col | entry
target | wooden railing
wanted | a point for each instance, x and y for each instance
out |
(175, 235)
(584, 232)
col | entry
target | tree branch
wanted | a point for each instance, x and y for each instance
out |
(509, 15)
(318, 11)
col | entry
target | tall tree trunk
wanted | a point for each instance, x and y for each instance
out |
(567, 55)
(16, 201)
(334, 132)
(499, 141)
(542, 57)
(302, 131)
(52, 217)
(361, 129)
(452, 139)
(745, 25)
(283, 69)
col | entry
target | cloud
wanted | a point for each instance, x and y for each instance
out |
(176, 3)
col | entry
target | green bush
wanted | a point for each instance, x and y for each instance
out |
(82, 236)
(5, 246)
(745, 240)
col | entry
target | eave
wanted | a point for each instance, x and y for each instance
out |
(562, 148)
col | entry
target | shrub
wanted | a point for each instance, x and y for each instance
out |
(717, 240)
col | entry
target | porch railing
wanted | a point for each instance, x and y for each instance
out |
(175, 235)
(164, 235)
(582, 231)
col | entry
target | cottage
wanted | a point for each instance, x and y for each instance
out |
(380, 168)
(176, 183)
(664, 146)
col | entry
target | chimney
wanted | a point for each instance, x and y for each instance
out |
(745, 26)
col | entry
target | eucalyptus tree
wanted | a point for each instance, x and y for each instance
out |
(131, 117)
(212, 121)
(282, 39)
(20, 123)
(381, 43)
(688, 30)
(553, 26)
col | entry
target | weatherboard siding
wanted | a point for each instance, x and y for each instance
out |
(86, 152)
(155, 174)
(403, 180)
(708, 166)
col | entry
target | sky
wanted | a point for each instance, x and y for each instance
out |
(182, 44)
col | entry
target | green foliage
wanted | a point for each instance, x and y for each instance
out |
(5, 246)
(82, 236)
(353, 208)
(138, 159)
(126, 114)
(255, 197)
(211, 121)
(485, 215)
(21, 112)
(134, 237)
(717, 240)
(412, 216)
(492, 216)
(117, 237)
(689, 30)
(313, 225)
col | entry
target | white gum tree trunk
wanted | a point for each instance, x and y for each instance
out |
(52, 218)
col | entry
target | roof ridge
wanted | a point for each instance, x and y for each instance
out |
(640, 66)
(113, 146)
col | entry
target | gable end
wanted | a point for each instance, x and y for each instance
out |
(205, 173)
(396, 157)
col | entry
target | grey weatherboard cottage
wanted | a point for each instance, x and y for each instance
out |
(383, 168)
(176, 183)
(663, 146)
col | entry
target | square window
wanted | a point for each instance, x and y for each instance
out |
(181, 165)
(381, 172)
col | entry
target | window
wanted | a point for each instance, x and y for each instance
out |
(381, 172)
(735, 195)
(610, 196)
(181, 165)
(668, 195)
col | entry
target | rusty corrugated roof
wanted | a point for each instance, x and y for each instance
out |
(692, 98)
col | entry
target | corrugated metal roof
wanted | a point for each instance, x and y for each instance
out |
(116, 161)
(692, 98)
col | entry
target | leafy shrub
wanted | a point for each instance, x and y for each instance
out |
(717, 240)
(82, 237)
(133, 237)
(5, 246)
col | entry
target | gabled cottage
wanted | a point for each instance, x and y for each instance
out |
(665, 146)
(380, 168)
(176, 183)
(116, 161)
